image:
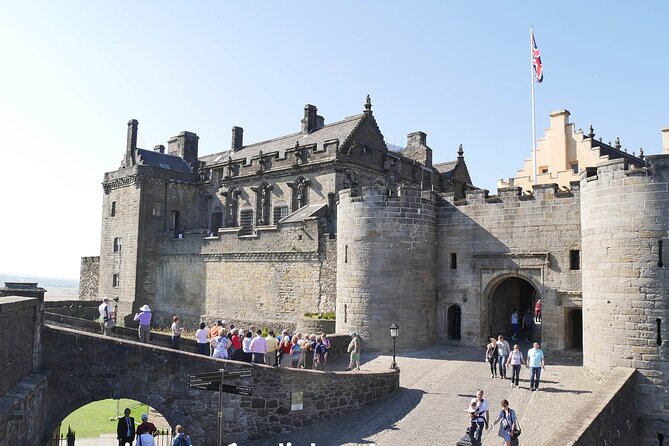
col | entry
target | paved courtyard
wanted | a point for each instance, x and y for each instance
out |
(436, 386)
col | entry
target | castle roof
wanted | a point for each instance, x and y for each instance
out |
(163, 160)
(615, 153)
(446, 167)
(339, 130)
(311, 210)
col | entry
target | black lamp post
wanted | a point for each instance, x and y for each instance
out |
(394, 332)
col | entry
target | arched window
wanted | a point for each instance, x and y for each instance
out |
(454, 322)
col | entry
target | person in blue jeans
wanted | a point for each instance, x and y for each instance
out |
(503, 350)
(535, 362)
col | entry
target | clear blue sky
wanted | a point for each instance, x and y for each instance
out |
(73, 74)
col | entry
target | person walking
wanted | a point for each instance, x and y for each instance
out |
(145, 432)
(528, 324)
(258, 347)
(481, 419)
(503, 350)
(515, 360)
(106, 317)
(515, 324)
(125, 428)
(535, 362)
(508, 423)
(144, 318)
(537, 311)
(176, 330)
(354, 349)
(491, 353)
(180, 439)
(319, 354)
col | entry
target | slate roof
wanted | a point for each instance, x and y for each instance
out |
(613, 153)
(446, 167)
(337, 130)
(162, 160)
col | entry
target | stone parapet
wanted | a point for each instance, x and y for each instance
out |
(18, 317)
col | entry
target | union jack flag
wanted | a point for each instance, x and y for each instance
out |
(536, 62)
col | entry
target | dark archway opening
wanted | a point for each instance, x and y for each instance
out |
(510, 294)
(574, 329)
(454, 316)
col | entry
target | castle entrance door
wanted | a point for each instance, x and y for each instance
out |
(511, 293)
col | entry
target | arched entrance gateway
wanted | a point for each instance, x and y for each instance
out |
(505, 294)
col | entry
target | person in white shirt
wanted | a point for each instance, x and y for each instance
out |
(106, 317)
(503, 350)
(202, 335)
(259, 347)
(482, 417)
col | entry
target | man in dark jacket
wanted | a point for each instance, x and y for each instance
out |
(125, 431)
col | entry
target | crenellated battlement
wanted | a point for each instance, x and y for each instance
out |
(540, 193)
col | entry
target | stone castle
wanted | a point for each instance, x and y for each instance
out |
(332, 218)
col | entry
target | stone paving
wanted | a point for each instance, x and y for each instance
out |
(437, 385)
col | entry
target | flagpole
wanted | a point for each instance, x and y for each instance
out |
(534, 130)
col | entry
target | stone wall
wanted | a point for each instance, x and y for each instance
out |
(17, 319)
(22, 412)
(385, 266)
(502, 237)
(163, 386)
(610, 421)
(625, 216)
(89, 278)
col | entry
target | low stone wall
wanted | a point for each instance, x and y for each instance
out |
(76, 308)
(610, 420)
(17, 322)
(157, 376)
(312, 325)
(22, 411)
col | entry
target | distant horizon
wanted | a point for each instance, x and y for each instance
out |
(9, 277)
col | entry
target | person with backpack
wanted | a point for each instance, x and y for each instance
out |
(509, 427)
(180, 439)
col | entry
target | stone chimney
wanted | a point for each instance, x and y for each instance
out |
(237, 139)
(131, 144)
(417, 148)
(310, 120)
(665, 140)
(184, 146)
(159, 148)
(559, 121)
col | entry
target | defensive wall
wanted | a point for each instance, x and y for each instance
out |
(483, 240)
(89, 277)
(624, 221)
(104, 367)
(385, 266)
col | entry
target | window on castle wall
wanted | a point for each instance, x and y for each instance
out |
(246, 222)
(543, 169)
(216, 222)
(155, 210)
(574, 259)
(454, 260)
(116, 280)
(113, 209)
(279, 213)
(117, 244)
(574, 166)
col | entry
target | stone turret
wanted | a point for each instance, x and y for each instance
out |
(624, 225)
(385, 267)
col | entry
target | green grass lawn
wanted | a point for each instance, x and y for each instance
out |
(93, 419)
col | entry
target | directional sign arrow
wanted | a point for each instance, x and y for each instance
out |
(239, 373)
(226, 388)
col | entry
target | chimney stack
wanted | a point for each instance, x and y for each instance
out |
(417, 148)
(184, 146)
(131, 144)
(310, 118)
(159, 148)
(665, 140)
(237, 138)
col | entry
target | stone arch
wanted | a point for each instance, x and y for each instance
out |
(67, 406)
(502, 294)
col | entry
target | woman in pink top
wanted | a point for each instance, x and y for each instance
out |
(537, 311)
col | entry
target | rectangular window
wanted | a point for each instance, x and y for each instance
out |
(116, 280)
(574, 259)
(117, 244)
(155, 210)
(454, 260)
(113, 209)
(246, 222)
(279, 213)
(543, 169)
(574, 166)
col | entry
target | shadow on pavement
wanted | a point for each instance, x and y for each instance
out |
(338, 430)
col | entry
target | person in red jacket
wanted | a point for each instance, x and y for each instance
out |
(146, 427)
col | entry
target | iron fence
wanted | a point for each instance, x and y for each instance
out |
(162, 438)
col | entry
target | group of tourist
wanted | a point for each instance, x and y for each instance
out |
(297, 350)
(525, 322)
(479, 419)
(145, 433)
(498, 354)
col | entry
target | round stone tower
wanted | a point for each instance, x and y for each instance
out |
(386, 250)
(624, 225)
